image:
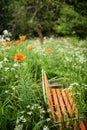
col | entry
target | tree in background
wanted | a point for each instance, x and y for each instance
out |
(44, 17)
(5, 14)
(72, 20)
(34, 16)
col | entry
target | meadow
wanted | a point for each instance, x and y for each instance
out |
(22, 105)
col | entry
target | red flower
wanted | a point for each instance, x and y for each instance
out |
(19, 56)
(48, 50)
(17, 41)
(23, 38)
(8, 43)
(0, 42)
(30, 47)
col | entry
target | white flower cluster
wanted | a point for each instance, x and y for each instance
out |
(45, 128)
(19, 127)
(73, 84)
(28, 114)
(1, 64)
(5, 36)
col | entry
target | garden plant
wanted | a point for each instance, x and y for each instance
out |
(22, 105)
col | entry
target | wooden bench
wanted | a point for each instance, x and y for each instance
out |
(62, 107)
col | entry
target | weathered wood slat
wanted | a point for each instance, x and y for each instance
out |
(62, 106)
(66, 102)
(82, 126)
(48, 93)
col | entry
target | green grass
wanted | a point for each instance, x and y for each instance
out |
(20, 81)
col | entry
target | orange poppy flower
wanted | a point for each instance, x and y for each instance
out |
(17, 41)
(8, 43)
(23, 38)
(19, 56)
(0, 42)
(30, 47)
(48, 50)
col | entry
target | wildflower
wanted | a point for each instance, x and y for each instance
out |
(48, 119)
(41, 117)
(45, 38)
(22, 112)
(29, 113)
(5, 32)
(43, 111)
(12, 69)
(1, 64)
(48, 50)
(32, 107)
(48, 110)
(16, 65)
(7, 38)
(19, 127)
(8, 43)
(3, 39)
(6, 69)
(0, 42)
(16, 76)
(45, 128)
(73, 85)
(30, 47)
(28, 106)
(23, 120)
(5, 59)
(23, 38)
(21, 117)
(19, 56)
(39, 107)
(13, 88)
(17, 41)
(6, 91)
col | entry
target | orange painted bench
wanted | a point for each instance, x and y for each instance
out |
(63, 108)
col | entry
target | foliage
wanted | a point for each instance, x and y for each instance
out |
(50, 17)
(71, 22)
(30, 15)
(81, 8)
(22, 104)
(5, 15)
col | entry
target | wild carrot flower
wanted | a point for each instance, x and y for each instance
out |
(8, 43)
(48, 50)
(19, 56)
(17, 41)
(30, 47)
(23, 38)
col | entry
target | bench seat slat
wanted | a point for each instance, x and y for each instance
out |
(58, 113)
(61, 102)
(62, 106)
(57, 105)
(82, 126)
(69, 109)
(68, 93)
(74, 112)
(49, 97)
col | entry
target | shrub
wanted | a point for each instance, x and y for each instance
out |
(71, 22)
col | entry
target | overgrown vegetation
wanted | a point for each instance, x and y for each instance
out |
(40, 17)
(63, 55)
(22, 105)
